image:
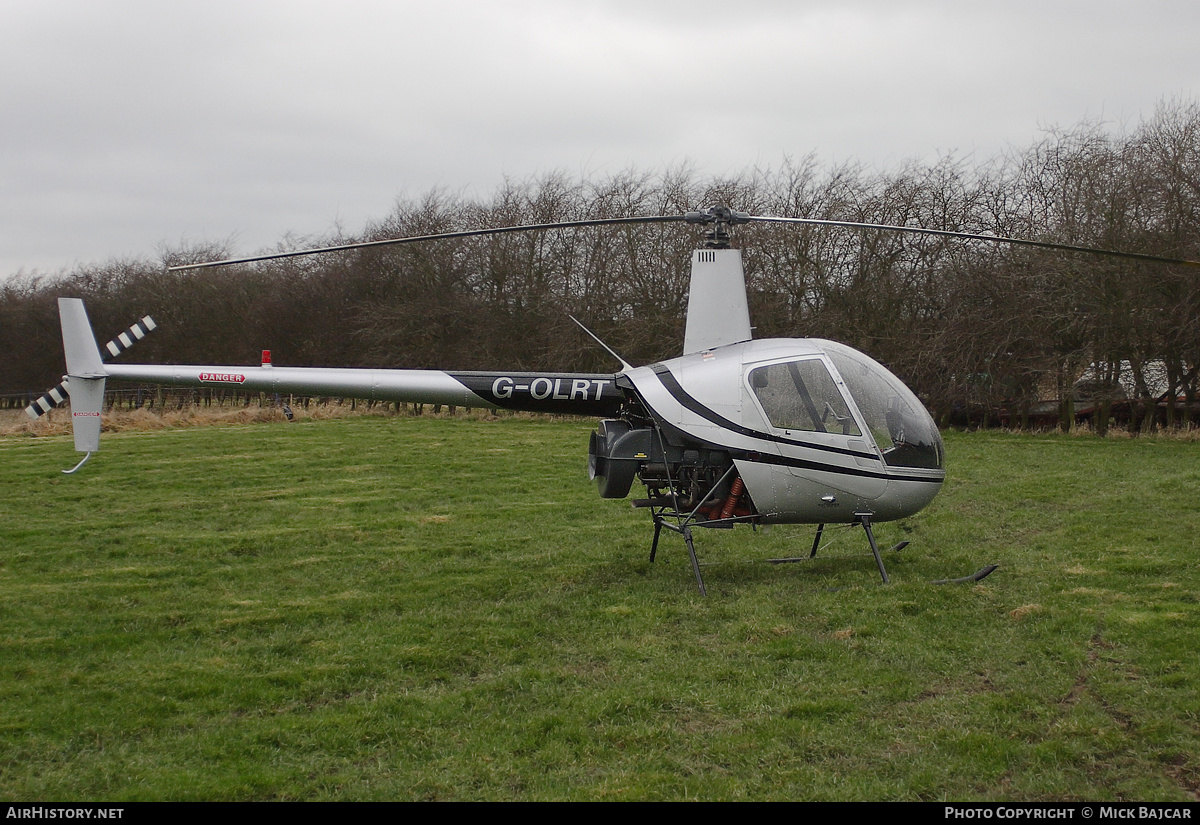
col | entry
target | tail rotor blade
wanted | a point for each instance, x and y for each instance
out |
(131, 336)
(48, 400)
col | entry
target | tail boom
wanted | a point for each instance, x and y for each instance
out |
(583, 394)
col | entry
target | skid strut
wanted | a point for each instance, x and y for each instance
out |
(817, 541)
(865, 520)
(685, 531)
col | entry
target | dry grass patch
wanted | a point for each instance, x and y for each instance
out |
(145, 419)
(1023, 611)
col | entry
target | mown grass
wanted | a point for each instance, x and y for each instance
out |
(413, 608)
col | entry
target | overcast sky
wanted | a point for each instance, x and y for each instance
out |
(130, 124)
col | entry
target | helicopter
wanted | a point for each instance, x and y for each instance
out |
(734, 431)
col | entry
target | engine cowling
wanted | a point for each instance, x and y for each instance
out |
(616, 452)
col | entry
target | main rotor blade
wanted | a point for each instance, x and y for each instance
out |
(972, 236)
(469, 233)
(710, 216)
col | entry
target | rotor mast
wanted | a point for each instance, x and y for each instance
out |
(718, 219)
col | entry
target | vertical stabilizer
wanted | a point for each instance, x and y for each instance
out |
(85, 374)
(717, 310)
(79, 345)
(87, 400)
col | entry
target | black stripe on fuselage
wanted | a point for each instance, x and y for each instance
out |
(767, 458)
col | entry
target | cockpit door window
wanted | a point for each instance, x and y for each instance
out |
(802, 395)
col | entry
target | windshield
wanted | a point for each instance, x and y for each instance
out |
(902, 427)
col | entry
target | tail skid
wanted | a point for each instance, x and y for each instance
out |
(75, 469)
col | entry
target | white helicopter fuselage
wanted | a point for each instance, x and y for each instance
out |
(810, 444)
(815, 431)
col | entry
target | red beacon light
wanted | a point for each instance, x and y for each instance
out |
(266, 358)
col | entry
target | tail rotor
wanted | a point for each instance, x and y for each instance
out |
(58, 394)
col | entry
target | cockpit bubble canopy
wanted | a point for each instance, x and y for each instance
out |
(898, 421)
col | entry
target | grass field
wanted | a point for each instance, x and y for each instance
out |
(434, 608)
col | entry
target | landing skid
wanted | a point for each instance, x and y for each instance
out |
(683, 525)
(977, 576)
(863, 519)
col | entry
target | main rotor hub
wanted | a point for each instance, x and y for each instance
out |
(720, 218)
